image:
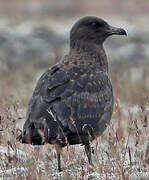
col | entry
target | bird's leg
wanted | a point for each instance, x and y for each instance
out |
(59, 162)
(58, 150)
(88, 151)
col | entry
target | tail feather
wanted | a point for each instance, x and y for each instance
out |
(32, 136)
(45, 130)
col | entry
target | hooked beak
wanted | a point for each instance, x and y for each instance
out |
(117, 31)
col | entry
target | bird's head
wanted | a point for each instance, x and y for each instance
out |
(92, 29)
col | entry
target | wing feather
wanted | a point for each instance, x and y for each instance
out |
(75, 97)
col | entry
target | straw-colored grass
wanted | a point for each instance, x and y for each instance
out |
(122, 152)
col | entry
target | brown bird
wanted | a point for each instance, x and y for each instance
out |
(73, 100)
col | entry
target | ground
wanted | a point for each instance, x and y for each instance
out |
(122, 152)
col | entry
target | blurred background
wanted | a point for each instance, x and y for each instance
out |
(34, 34)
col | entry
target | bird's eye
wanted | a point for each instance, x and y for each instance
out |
(95, 24)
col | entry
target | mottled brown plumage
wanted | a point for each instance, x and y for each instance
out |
(73, 100)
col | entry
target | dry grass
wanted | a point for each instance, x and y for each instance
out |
(122, 152)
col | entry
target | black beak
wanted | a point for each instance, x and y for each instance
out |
(117, 31)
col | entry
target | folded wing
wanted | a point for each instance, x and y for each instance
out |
(68, 103)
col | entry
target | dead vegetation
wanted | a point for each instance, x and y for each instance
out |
(122, 152)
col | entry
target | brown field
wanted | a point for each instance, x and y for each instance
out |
(122, 152)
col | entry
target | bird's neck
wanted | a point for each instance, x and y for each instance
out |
(89, 54)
